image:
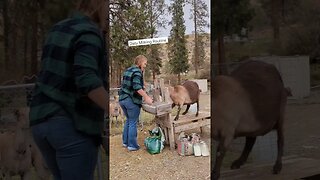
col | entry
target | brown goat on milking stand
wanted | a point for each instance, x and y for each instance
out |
(186, 94)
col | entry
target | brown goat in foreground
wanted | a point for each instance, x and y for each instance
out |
(186, 94)
(250, 102)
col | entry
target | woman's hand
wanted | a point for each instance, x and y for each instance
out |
(148, 100)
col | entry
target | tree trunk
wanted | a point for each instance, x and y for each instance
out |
(276, 6)
(119, 76)
(107, 48)
(34, 40)
(151, 50)
(196, 64)
(25, 52)
(13, 48)
(222, 66)
(110, 75)
(13, 34)
(6, 23)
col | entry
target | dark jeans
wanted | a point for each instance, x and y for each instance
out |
(70, 155)
(132, 112)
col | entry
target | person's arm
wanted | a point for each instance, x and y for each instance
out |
(86, 70)
(147, 99)
(142, 93)
(99, 96)
(137, 86)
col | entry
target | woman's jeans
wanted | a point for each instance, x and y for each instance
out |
(132, 112)
(70, 155)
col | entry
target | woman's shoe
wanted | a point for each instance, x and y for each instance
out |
(133, 149)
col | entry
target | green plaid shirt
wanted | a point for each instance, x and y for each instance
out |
(132, 81)
(72, 64)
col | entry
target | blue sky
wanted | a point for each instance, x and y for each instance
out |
(188, 23)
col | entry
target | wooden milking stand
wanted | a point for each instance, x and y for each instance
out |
(162, 109)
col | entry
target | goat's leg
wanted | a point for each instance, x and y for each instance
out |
(185, 112)
(245, 153)
(177, 116)
(221, 151)
(278, 165)
(173, 105)
(215, 174)
(279, 126)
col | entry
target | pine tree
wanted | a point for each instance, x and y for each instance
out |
(199, 13)
(178, 54)
(156, 12)
(274, 10)
(201, 51)
(128, 21)
(25, 25)
(229, 18)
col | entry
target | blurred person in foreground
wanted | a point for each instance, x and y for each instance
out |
(69, 99)
(131, 95)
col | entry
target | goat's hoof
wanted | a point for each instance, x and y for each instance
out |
(236, 164)
(184, 113)
(277, 168)
(175, 119)
(197, 114)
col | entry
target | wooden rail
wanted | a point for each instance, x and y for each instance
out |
(185, 122)
(161, 108)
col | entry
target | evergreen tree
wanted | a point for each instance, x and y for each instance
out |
(154, 61)
(156, 20)
(24, 26)
(274, 10)
(201, 51)
(229, 17)
(178, 54)
(199, 13)
(128, 21)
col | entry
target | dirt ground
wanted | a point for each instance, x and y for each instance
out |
(302, 130)
(302, 138)
(166, 165)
